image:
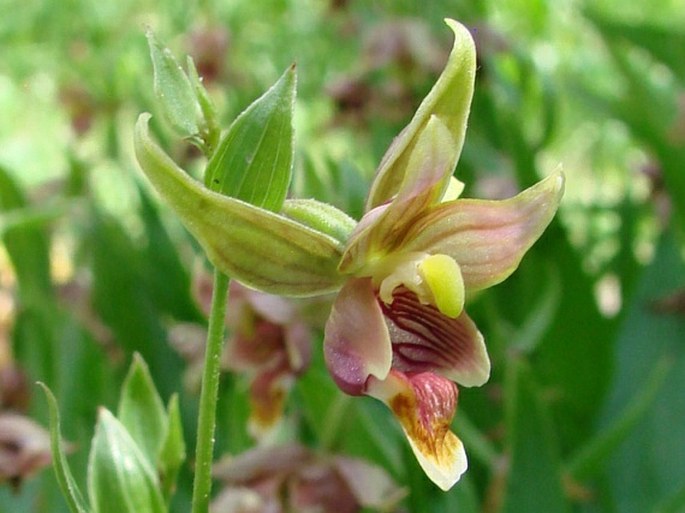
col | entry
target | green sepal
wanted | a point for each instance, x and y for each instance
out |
(211, 131)
(173, 450)
(449, 101)
(264, 250)
(120, 477)
(65, 479)
(254, 160)
(322, 217)
(141, 410)
(175, 92)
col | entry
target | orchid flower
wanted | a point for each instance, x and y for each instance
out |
(277, 479)
(398, 330)
(270, 342)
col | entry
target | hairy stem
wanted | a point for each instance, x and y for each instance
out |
(208, 396)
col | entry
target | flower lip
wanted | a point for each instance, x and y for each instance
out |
(425, 404)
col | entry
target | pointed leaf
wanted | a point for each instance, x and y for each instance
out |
(141, 410)
(257, 247)
(449, 100)
(254, 160)
(120, 478)
(174, 91)
(65, 479)
(173, 452)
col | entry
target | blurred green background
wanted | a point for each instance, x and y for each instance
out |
(585, 411)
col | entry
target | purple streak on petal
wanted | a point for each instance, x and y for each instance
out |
(424, 339)
(425, 403)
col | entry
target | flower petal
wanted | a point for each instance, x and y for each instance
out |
(356, 342)
(488, 238)
(260, 464)
(425, 405)
(370, 484)
(264, 250)
(449, 100)
(426, 178)
(424, 339)
(268, 392)
(298, 346)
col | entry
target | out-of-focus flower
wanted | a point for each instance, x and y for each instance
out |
(24, 448)
(269, 341)
(209, 47)
(398, 330)
(293, 478)
(80, 106)
(407, 53)
(14, 389)
(672, 303)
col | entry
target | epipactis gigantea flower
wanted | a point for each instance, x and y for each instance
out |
(397, 330)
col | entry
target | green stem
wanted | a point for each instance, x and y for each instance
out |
(204, 451)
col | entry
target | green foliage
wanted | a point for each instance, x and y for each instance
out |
(253, 162)
(120, 477)
(134, 459)
(141, 411)
(66, 481)
(584, 408)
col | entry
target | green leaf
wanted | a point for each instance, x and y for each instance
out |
(534, 479)
(262, 249)
(27, 245)
(254, 160)
(173, 451)
(65, 479)
(120, 478)
(591, 458)
(141, 410)
(126, 301)
(174, 91)
(649, 464)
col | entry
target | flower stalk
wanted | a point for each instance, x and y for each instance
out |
(208, 396)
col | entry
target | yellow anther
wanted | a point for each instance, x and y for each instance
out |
(443, 277)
